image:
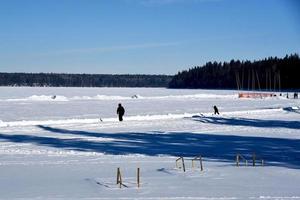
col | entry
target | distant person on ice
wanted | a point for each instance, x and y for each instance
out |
(295, 95)
(120, 112)
(216, 110)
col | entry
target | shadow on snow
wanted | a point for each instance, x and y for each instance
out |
(290, 109)
(276, 151)
(260, 123)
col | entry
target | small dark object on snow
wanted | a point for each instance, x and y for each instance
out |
(53, 97)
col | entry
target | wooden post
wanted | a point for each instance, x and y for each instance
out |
(201, 166)
(253, 159)
(120, 181)
(138, 177)
(118, 174)
(182, 160)
(193, 163)
(119, 177)
(177, 160)
(200, 160)
(183, 164)
(237, 160)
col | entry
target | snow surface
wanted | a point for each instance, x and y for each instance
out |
(58, 148)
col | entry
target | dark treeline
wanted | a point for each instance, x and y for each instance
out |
(269, 74)
(83, 80)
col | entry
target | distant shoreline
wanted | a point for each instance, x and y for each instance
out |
(83, 80)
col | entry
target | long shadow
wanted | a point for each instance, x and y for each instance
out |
(276, 151)
(248, 122)
(290, 109)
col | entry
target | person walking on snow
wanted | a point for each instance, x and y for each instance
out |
(120, 112)
(216, 110)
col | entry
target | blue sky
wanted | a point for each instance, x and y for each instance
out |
(142, 36)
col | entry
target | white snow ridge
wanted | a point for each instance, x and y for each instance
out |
(114, 97)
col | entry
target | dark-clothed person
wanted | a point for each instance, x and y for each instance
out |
(120, 112)
(216, 110)
(295, 95)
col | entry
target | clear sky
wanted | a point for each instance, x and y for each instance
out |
(142, 36)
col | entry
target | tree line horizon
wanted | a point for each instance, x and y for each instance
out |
(271, 73)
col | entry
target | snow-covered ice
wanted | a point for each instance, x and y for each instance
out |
(58, 148)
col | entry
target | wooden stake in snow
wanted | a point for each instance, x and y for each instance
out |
(138, 177)
(238, 157)
(253, 159)
(119, 177)
(200, 160)
(257, 157)
(182, 160)
(237, 160)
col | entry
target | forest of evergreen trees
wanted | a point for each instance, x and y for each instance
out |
(83, 80)
(269, 74)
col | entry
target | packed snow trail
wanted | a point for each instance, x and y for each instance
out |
(139, 118)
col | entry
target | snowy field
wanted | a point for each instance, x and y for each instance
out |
(58, 148)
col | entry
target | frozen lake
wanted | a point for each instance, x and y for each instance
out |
(57, 148)
(26, 103)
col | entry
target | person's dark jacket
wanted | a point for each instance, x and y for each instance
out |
(120, 110)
